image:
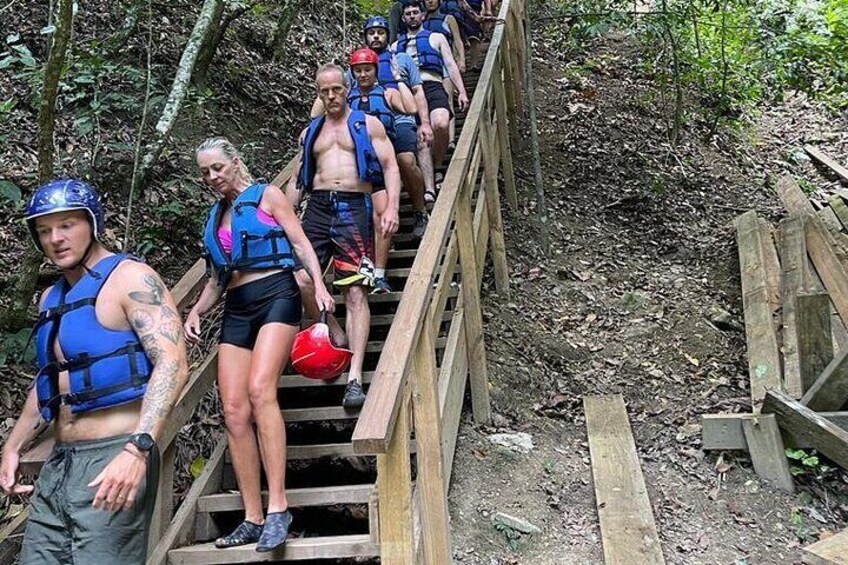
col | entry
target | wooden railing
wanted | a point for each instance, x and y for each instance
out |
(407, 381)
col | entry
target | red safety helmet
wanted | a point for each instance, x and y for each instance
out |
(364, 56)
(315, 356)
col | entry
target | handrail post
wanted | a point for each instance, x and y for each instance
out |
(501, 109)
(471, 305)
(394, 487)
(428, 435)
(509, 80)
(164, 507)
(493, 201)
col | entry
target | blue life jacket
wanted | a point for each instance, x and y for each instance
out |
(476, 5)
(438, 24)
(453, 8)
(105, 367)
(375, 104)
(367, 163)
(385, 76)
(426, 56)
(256, 245)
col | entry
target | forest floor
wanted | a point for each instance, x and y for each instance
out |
(643, 257)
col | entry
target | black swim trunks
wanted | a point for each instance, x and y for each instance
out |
(340, 226)
(436, 95)
(248, 307)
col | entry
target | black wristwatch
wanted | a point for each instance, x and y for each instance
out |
(144, 442)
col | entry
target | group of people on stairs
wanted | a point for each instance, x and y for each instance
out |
(111, 347)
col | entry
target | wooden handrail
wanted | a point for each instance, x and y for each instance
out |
(379, 414)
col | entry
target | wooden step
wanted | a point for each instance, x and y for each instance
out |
(297, 498)
(329, 547)
(389, 296)
(319, 413)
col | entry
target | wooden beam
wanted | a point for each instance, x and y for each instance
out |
(179, 531)
(503, 138)
(164, 505)
(493, 200)
(431, 473)
(822, 434)
(822, 249)
(394, 484)
(815, 344)
(473, 316)
(827, 161)
(767, 452)
(837, 204)
(724, 431)
(295, 549)
(829, 551)
(763, 353)
(452, 379)
(628, 531)
(830, 390)
(793, 262)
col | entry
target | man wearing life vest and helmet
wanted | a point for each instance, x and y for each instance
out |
(432, 53)
(112, 362)
(346, 160)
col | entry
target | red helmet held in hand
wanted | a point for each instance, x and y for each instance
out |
(315, 356)
(364, 56)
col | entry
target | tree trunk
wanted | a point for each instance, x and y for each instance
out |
(15, 317)
(541, 205)
(178, 90)
(208, 48)
(281, 34)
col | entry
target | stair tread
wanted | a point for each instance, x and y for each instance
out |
(326, 547)
(297, 497)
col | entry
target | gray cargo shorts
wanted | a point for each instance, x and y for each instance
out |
(64, 527)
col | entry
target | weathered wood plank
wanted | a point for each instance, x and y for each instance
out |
(827, 161)
(179, 531)
(837, 204)
(815, 344)
(724, 431)
(822, 249)
(830, 390)
(297, 497)
(793, 262)
(818, 431)
(830, 551)
(764, 367)
(628, 531)
(767, 452)
(496, 229)
(296, 549)
(394, 484)
(431, 473)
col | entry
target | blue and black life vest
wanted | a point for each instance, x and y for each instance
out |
(437, 23)
(453, 8)
(256, 245)
(105, 367)
(375, 104)
(385, 76)
(367, 163)
(427, 58)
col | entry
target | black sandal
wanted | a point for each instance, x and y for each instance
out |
(247, 532)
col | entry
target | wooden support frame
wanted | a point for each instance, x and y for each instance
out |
(830, 389)
(725, 432)
(394, 483)
(767, 452)
(493, 202)
(815, 344)
(812, 427)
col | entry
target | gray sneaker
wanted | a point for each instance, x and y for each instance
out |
(420, 224)
(353, 396)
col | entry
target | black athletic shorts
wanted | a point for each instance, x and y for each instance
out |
(340, 226)
(436, 95)
(272, 299)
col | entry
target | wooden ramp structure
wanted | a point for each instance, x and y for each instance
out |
(374, 484)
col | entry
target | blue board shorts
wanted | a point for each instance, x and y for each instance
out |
(406, 138)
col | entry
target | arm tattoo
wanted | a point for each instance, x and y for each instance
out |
(160, 395)
(154, 296)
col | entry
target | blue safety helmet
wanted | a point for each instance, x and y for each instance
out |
(376, 21)
(63, 196)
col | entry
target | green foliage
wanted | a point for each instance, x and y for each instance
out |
(13, 347)
(803, 531)
(807, 464)
(372, 7)
(735, 53)
(10, 191)
(16, 54)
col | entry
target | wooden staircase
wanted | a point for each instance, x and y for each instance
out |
(351, 482)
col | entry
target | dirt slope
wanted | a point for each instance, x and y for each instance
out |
(643, 255)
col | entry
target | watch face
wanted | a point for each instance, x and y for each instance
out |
(143, 441)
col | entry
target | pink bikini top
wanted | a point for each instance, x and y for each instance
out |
(226, 234)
